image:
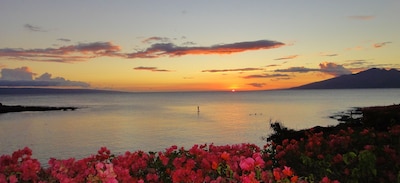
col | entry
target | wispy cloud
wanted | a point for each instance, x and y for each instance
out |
(34, 28)
(272, 65)
(257, 85)
(64, 39)
(379, 45)
(170, 49)
(297, 69)
(72, 53)
(329, 55)
(233, 70)
(356, 63)
(356, 48)
(25, 77)
(265, 76)
(153, 69)
(325, 67)
(361, 17)
(287, 57)
(156, 39)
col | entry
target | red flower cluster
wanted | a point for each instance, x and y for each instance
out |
(19, 167)
(201, 163)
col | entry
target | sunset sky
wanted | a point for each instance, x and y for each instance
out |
(186, 45)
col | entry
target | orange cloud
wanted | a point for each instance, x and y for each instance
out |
(170, 49)
(153, 69)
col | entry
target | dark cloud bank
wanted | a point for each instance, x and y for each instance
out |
(23, 77)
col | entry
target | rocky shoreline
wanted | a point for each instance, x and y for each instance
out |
(379, 118)
(19, 108)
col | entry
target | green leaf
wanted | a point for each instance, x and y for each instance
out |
(349, 157)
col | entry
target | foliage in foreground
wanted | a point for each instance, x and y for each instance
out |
(350, 155)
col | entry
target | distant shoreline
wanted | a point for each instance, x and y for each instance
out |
(19, 108)
(13, 91)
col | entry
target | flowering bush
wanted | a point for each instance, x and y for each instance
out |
(365, 155)
(204, 163)
(350, 155)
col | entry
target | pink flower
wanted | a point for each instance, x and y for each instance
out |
(251, 178)
(247, 164)
(325, 180)
(13, 179)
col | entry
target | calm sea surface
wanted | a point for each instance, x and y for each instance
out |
(155, 121)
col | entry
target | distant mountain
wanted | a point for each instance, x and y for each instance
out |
(371, 78)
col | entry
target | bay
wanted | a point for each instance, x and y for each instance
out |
(155, 121)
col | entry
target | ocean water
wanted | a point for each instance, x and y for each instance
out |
(155, 121)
